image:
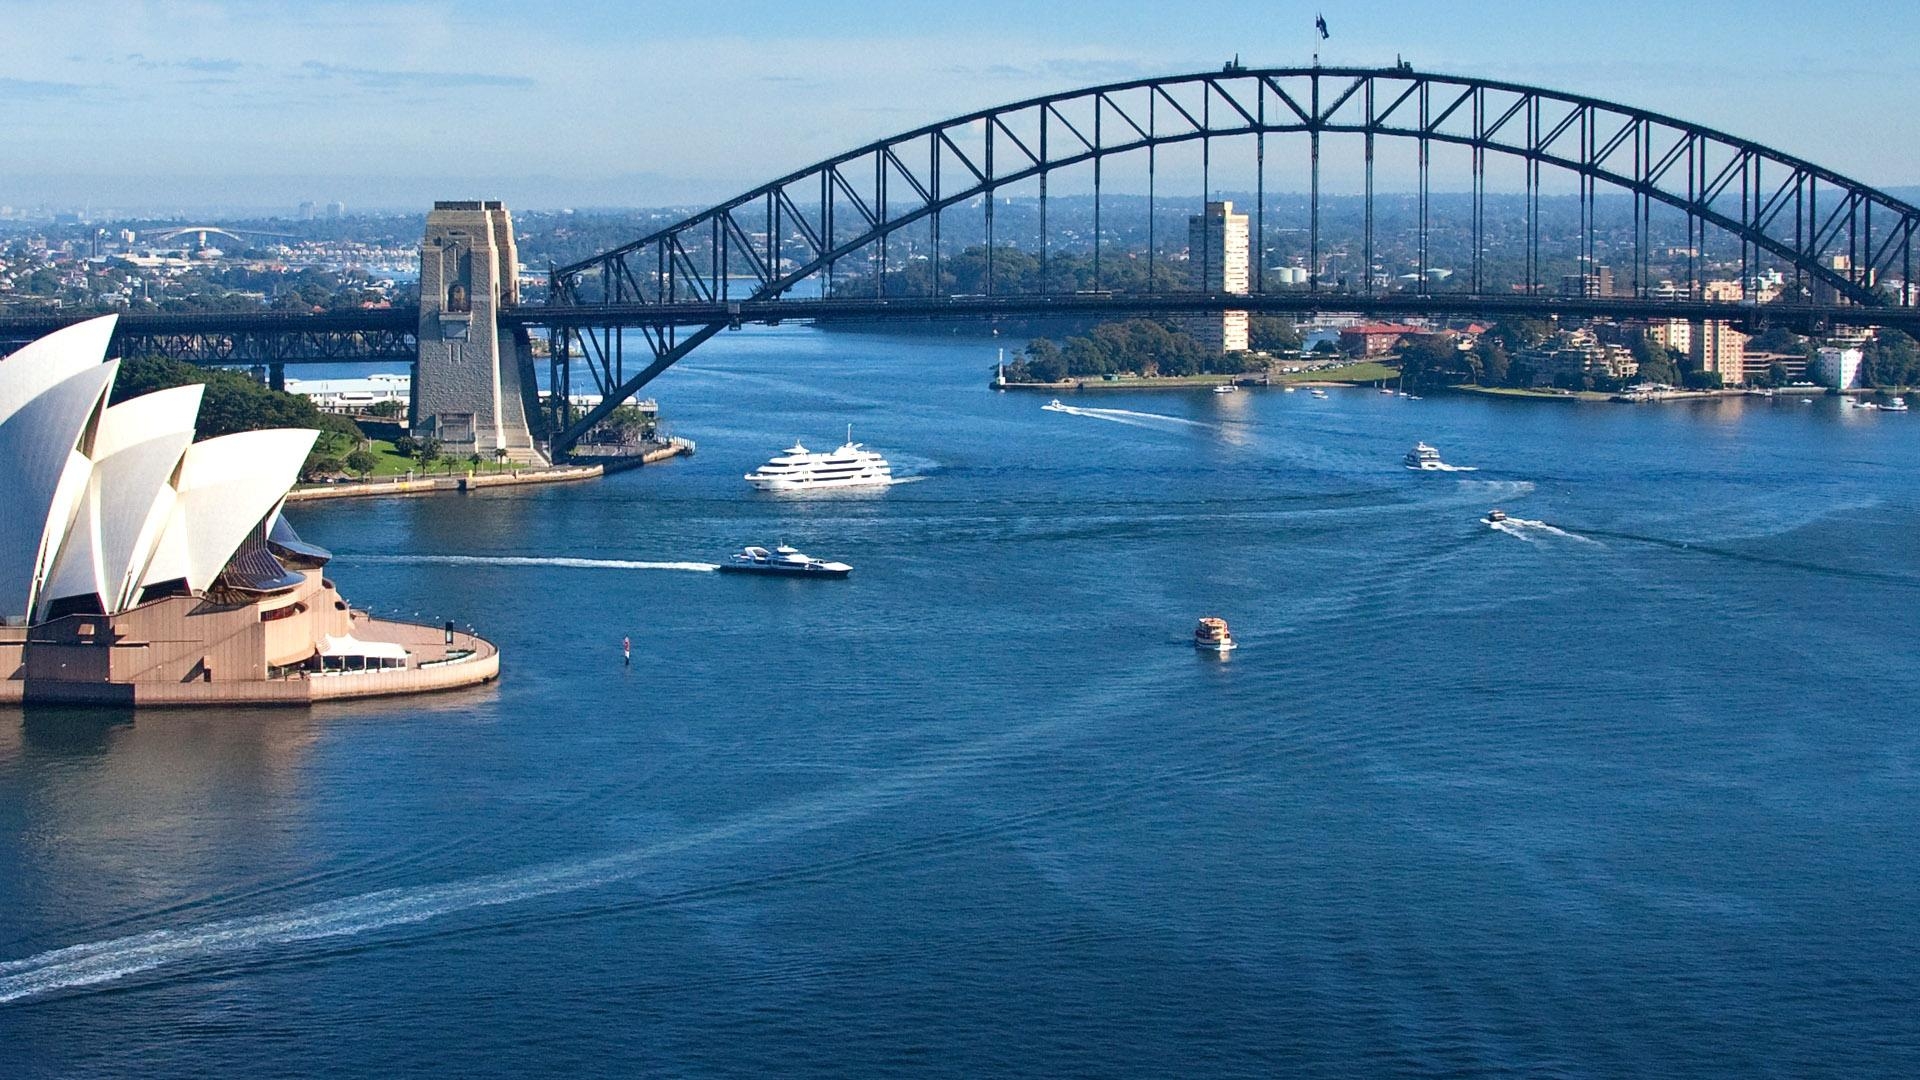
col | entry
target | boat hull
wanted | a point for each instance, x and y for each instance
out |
(782, 571)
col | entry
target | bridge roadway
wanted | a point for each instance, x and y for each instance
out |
(388, 335)
(1104, 304)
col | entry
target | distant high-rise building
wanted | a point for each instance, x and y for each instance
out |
(1717, 347)
(336, 211)
(1217, 261)
(306, 210)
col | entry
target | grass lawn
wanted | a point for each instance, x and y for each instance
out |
(1548, 395)
(395, 464)
(1364, 372)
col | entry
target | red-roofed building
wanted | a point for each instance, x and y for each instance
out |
(1374, 339)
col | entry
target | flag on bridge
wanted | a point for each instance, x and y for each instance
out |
(1320, 24)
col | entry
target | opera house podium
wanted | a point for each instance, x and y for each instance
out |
(139, 567)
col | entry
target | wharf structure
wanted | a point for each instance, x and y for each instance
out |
(139, 567)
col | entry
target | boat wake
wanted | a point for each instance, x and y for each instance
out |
(1498, 489)
(1526, 529)
(1129, 416)
(523, 560)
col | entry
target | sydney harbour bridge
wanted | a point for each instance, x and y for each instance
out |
(830, 241)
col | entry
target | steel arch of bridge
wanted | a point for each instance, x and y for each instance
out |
(800, 225)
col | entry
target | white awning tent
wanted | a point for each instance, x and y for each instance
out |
(371, 650)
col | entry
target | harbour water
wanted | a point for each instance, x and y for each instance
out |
(1626, 787)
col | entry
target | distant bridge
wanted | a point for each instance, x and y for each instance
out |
(852, 223)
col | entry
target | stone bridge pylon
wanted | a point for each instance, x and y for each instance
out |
(473, 386)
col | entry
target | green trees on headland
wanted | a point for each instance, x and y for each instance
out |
(1134, 347)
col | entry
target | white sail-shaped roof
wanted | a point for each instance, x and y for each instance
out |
(41, 365)
(40, 443)
(128, 498)
(227, 486)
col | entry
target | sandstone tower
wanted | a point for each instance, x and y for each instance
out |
(473, 388)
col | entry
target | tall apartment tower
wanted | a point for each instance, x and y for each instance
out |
(1217, 260)
(1716, 345)
(473, 387)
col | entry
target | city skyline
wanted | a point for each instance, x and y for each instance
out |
(188, 106)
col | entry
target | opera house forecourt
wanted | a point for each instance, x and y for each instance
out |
(140, 567)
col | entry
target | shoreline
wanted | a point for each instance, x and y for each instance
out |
(586, 467)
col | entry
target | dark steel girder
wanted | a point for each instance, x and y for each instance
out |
(658, 279)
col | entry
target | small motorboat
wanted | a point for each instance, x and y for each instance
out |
(1291, 389)
(1224, 388)
(1212, 635)
(1320, 394)
(1898, 404)
(1054, 406)
(1495, 516)
(782, 561)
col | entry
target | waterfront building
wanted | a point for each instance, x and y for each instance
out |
(1839, 366)
(1758, 364)
(1217, 243)
(353, 395)
(1717, 347)
(1374, 339)
(140, 567)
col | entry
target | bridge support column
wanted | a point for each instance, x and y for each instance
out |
(473, 385)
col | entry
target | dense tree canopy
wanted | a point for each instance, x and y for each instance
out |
(235, 403)
(1132, 347)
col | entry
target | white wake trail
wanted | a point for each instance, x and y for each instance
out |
(1129, 416)
(523, 560)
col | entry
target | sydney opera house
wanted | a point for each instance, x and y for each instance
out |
(140, 567)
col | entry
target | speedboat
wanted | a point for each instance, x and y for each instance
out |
(1212, 635)
(1054, 406)
(1423, 456)
(799, 469)
(782, 561)
(1224, 388)
(1495, 516)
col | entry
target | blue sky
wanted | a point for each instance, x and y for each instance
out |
(217, 103)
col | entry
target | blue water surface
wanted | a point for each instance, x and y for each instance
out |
(1625, 788)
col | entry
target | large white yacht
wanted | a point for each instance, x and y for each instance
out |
(799, 469)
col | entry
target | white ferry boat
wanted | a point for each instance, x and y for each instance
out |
(799, 469)
(1423, 456)
(782, 561)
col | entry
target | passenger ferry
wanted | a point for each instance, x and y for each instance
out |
(782, 561)
(1212, 635)
(1423, 456)
(798, 469)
